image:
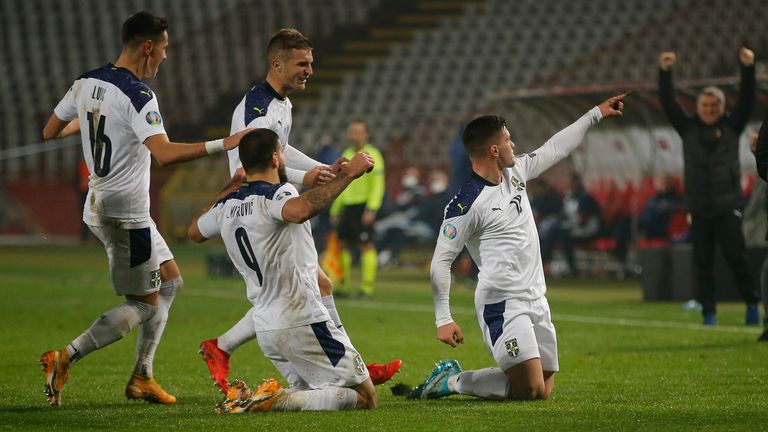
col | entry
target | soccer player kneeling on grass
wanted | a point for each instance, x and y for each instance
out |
(264, 223)
(492, 216)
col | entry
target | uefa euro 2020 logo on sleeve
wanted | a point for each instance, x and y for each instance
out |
(449, 231)
(153, 118)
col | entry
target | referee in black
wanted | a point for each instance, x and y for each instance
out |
(713, 180)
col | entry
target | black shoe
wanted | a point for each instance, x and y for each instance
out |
(763, 337)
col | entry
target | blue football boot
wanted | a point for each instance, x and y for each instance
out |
(436, 384)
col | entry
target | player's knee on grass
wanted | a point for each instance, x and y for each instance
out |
(526, 381)
(528, 391)
(366, 396)
(325, 283)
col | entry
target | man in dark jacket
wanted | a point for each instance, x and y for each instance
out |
(759, 146)
(713, 179)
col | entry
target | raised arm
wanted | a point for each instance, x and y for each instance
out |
(167, 152)
(302, 169)
(747, 90)
(300, 209)
(564, 142)
(677, 116)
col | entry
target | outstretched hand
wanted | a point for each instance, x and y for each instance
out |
(233, 141)
(318, 176)
(450, 334)
(614, 106)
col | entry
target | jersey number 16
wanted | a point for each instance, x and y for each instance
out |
(101, 146)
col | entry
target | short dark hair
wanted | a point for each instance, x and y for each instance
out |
(256, 149)
(479, 131)
(285, 40)
(143, 26)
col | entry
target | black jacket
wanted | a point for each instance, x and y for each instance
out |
(711, 152)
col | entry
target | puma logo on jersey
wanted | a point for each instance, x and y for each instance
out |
(517, 201)
(145, 93)
(258, 110)
(461, 207)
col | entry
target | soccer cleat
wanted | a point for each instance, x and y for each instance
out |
(217, 361)
(764, 336)
(381, 373)
(436, 384)
(238, 390)
(245, 401)
(56, 369)
(145, 388)
(752, 315)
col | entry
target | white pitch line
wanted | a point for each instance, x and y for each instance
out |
(421, 308)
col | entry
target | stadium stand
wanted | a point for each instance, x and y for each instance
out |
(413, 69)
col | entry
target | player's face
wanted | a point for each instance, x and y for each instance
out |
(709, 109)
(506, 148)
(295, 71)
(156, 56)
(357, 133)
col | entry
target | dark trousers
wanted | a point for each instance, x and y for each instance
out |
(726, 231)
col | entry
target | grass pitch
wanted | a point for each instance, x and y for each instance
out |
(625, 364)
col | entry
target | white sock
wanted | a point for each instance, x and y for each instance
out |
(239, 334)
(488, 383)
(330, 304)
(151, 331)
(327, 399)
(110, 327)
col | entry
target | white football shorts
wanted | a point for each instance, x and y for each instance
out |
(515, 331)
(314, 356)
(135, 251)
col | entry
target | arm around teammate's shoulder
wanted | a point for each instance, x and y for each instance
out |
(167, 152)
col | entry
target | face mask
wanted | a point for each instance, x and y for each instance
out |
(409, 181)
(437, 186)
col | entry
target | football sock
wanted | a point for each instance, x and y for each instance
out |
(330, 304)
(488, 383)
(110, 327)
(369, 266)
(151, 330)
(327, 399)
(346, 270)
(239, 334)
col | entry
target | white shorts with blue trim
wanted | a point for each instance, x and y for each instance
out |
(515, 331)
(135, 251)
(314, 356)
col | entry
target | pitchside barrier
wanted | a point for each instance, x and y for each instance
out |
(668, 273)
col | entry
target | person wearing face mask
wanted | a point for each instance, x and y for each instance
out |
(354, 212)
(713, 180)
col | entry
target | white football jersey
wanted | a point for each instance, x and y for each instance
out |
(262, 107)
(496, 224)
(276, 258)
(117, 113)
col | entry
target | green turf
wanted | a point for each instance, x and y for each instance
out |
(625, 364)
